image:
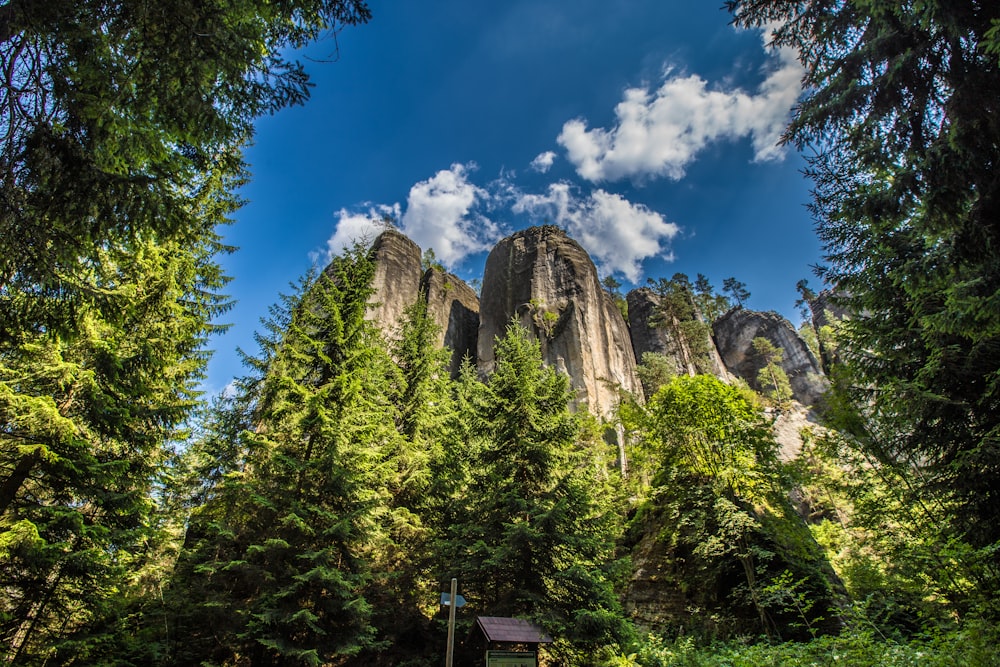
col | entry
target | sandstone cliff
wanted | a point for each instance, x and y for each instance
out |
(397, 279)
(734, 333)
(455, 307)
(649, 334)
(549, 284)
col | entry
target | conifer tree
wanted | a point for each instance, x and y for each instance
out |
(678, 312)
(536, 540)
(279, 562)
(902, 109)
(421, 395)
(85, 417)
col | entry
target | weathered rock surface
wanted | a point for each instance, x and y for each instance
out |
(647, 336)
(455, 307)
(549, 284)
(827, 311)
(397, 279)
(650, 336)
(734, 334)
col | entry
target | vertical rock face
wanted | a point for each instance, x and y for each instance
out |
(826, 311)
(455, 307)
(734, 334)
(397, 279)
(548, 282)
(646, 336)
(649, 336)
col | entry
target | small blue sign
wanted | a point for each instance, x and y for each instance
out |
(446, 600)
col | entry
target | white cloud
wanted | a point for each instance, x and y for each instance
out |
(353, 227)
(617, 233)
(441, 214)
(543, 161)
(658, 133)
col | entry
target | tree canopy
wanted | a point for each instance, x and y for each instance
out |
(121, 130)
(902, 112)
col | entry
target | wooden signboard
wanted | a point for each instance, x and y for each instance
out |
(511, 659)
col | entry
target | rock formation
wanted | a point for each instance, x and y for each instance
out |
(650, 336)
(549, 284)
(397, 279)
(826, 311)
(734, 334)
(455, 307)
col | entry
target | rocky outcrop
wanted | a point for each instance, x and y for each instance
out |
(455, 307)
(827, 309)
(650, 335)
(734, 334)
(549, 284)
(647, 336)
(397, 279)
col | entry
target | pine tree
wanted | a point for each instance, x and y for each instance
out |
(711, 305)
(736, 289)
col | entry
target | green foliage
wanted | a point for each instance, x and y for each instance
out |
(655, 370)
(736, 289)
(887, 545)
(808, 334)
(85, 416)
(718, 508)
(429, 260)
(276, 565)
(613, 287)
(534, 537)
(711, 305)
(973, 646)
(806, 297)
(901, 109)
(678, 312)
(771, 378)
(122, 127)
(712, 429)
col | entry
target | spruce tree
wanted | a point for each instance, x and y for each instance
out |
(86, 415)
(279, 562)
(902, 111)
(536, 540)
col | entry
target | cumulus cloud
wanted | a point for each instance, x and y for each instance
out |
(617, 233)
(658, 133)
(359, 227)
(543, 161)
(441, 213)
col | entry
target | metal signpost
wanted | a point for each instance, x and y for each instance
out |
(454, 601)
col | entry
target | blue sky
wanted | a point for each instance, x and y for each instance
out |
(645, 128)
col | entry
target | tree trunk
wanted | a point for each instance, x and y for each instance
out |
(13, 483)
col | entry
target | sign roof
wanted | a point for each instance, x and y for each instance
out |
(499, 629)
